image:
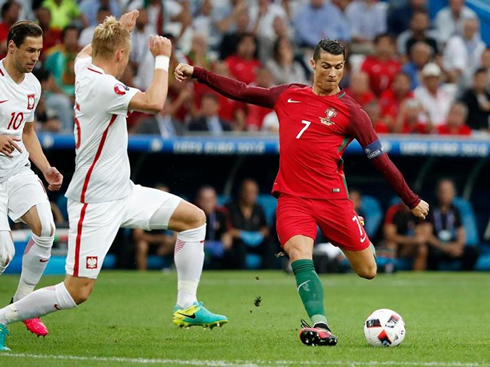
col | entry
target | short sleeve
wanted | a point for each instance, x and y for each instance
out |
(114, 96)
(82, 63)
(32, 116)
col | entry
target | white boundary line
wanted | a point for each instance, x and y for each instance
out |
(238, 363)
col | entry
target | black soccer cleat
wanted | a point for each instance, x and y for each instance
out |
(318, 335)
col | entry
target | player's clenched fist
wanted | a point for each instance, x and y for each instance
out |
(160, 46)
(183, 71)
(8, 144)
(421, 210)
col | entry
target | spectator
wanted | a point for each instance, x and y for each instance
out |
(420, 55)
(140, 37)
(359, 88)
(254, 114)
(462, 55)
(367, 19)
(263, 15)
(418, 32)
(63, 12)
(163, 123)
(10, 15)
(373, 111)
(485, 61)
(356, 197)
(435, 100)
(26, 11)
(87, 33)
(455, 122)
(408, 120)
(51, 36)
(218, 237)
(209, 119)
(249, 227)
(243, 65)
(284, 69)
(399, 17)
(197, 56)
(90, 10)
(47, 120)
(57, 105)
(311, 23)
(61, 60)
(231, 39)
(447, 235)
(270, 123)
(382, 66)
(391, 99)
(449, 20)
(406, 236)
(477, 101)
(163, 240)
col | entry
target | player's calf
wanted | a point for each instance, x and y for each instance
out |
(79, 288)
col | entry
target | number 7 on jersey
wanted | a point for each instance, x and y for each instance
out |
(307, 125)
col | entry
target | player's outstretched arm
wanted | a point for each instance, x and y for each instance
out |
(362, 129)
(153, 99)
(231, 88)
(36, 154)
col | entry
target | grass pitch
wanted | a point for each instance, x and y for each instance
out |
(127, 322)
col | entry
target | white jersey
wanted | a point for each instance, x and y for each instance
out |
(101, 165)
(17, 105)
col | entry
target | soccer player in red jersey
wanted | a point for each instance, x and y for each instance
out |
(315, 126)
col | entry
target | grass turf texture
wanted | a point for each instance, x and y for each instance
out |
(129, 317)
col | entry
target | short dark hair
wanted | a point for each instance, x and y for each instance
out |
(480, 71)
(22, 29)
(69, 28)
(104, 8)
(379, 37)
(328, 45)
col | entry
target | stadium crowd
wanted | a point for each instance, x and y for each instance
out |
(412, 74)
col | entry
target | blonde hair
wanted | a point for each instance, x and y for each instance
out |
(109, 37)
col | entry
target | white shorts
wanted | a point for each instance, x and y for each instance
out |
(93, 226)
(19, 194)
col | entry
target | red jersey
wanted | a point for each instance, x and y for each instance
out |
(390, 104)
(463, 130)
(381, 73)
(314, 132)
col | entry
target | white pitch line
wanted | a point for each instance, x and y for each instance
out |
(238, 363)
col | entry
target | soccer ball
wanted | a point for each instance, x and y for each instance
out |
(384, 328)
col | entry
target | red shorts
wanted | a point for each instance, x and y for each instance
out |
(336, 218)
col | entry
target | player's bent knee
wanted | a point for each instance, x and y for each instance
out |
(368, 272)
(80, 289)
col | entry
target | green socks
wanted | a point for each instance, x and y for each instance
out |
(310, 289)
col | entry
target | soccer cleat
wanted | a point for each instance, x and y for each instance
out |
(3, 334)
(197, 315)
(36, 326)
(318, 335)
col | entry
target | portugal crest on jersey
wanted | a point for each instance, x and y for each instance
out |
(31, 101)
(329, 114)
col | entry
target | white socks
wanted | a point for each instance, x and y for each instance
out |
(34, 261)
(37, 304)
(189, 260)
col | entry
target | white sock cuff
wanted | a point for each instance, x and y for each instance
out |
(44, 242)
(193, 235)
(65, 301)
